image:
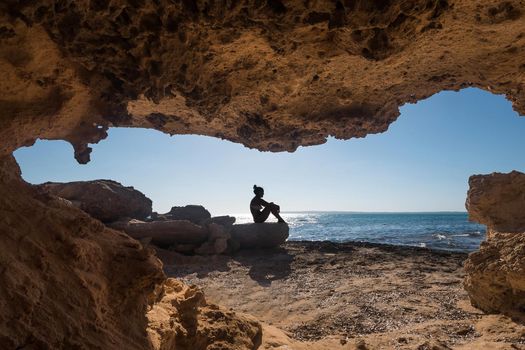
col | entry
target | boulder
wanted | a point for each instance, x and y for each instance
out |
(225, 220)
(164, 233)
(498, 201)
(194, 213)
(184, 248)
(182, 319)
(216, 231)
(260, 235)
(105, 200)
(217, 242)
(495, 275)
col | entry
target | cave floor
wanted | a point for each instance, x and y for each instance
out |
(321, 295)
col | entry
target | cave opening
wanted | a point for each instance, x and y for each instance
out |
(420, 164)
(273, 75)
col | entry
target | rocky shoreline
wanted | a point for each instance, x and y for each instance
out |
(263, 292)
(189, 229)
(349, 296)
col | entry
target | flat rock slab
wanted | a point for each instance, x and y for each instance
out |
(265, 235)
(164, 233)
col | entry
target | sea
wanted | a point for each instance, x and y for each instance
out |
(442, 230)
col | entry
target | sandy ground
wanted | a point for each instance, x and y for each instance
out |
(312, 295)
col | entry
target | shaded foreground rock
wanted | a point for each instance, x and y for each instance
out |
(181, 319)
(164, 233)
(265, 235)
(69, 282)
(105, 200)
(66, 280)
(495, 277)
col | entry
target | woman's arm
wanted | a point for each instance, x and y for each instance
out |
(263, 202)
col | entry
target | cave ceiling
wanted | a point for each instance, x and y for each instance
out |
(272, 75)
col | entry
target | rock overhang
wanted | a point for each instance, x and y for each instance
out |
(273, 75)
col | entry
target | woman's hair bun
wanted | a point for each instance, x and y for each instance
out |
(254, 187)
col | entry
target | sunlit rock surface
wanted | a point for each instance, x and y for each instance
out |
(181, 319)
(105, 200)
(269, 74)
(496, 273)
(498, 201)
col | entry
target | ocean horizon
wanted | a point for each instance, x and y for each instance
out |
(443, 230)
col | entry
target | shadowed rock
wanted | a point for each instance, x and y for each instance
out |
(79, 284)
(225, 220)
(164, 233)
(264, 235)
(105, 200)
(194, 213)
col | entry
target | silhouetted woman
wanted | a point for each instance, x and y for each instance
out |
(256, 207)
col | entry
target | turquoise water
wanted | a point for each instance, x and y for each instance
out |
(444, 230)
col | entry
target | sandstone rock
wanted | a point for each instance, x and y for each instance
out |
(265, 235)
(67, 281)
(164, 233)
(181, 319)
(225, 220)
(194, 213)
(495, 275)
(207, 248)
(105, 200)
(498, 201)
(184, 248)
(217, 243)
(220, 245)
(324, 68)
(217, 231)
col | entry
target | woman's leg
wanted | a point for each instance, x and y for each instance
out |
(263, 215)
(275, 209)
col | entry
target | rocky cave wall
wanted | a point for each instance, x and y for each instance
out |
(496, 273)
(271, 74)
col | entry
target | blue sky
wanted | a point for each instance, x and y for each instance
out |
(422, 163)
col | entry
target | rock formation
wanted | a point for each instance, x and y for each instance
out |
(498, 201)
(496, 273)
(272, 75)
(67, 281)
(181, 319)
(265, 235)
(164, 233)
(105, 200)
(194, 213)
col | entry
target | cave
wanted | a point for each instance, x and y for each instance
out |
(272, 75)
